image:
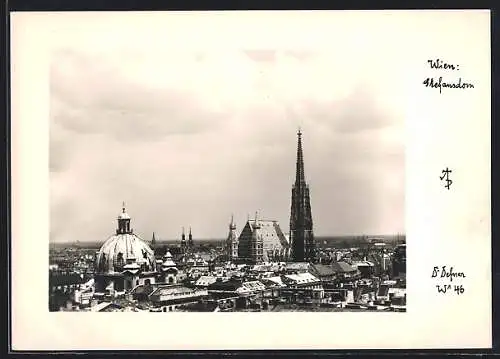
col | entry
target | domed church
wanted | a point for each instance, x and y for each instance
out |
(124, 260)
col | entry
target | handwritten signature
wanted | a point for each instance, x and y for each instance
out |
(443, 272)
(448, 274)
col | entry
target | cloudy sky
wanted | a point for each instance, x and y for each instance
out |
(186, 137)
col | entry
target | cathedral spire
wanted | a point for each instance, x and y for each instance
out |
(232, 226)
(300, 179)
(183, 242)
(190, 239)
(232, 241)
(301, 224)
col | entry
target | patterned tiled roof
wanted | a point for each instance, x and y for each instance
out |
(270, 232)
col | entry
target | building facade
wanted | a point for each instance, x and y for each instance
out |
(262, 241)
(301, 223)
(399, 261)
(184, 248)
(187, 246)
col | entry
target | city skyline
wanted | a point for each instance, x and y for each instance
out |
(188, 138)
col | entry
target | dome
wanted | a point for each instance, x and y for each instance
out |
(122, 249)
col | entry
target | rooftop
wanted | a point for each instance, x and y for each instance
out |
(342, 267)
(323, 270)
(302, 278)
(172, 289)
(274, 280)
(297, 265)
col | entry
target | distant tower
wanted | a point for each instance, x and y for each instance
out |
(256, 249)
(190, 240)
(183, 242)
(301, 224)
(232, 241)
(153, 242)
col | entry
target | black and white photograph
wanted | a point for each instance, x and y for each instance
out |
(224, 180)
(218, 177)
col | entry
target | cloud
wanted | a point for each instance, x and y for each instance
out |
(358, 111)
(187, 138)
(89, 97)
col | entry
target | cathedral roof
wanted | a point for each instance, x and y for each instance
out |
(270, 231)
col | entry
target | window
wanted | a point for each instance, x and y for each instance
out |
(137, 282)
(120, 261)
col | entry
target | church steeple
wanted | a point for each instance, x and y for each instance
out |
(301, 224)
(190, 239)
(183, 241)
(232, 241)
(300, 179)
(123, 222)
(257, 249)
(153, 241)
(232, 225)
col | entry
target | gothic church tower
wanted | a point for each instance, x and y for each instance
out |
(301, 223)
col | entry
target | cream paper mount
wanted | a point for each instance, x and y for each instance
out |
(388, 102)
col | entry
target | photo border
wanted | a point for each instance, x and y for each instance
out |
(32, 5)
